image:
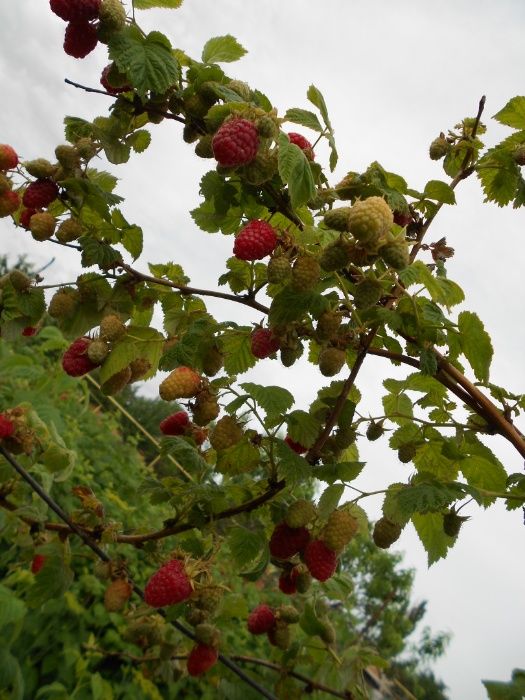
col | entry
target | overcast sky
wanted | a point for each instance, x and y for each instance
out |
(393, 75)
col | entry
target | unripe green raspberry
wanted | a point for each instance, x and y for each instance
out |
(344, 437)
(303, 582)
(328, 324)
(67, 156)
(195, 616)
(327, 632)
(359, 256)
(40, 168)
(386, 533)
(213, 361)
(226, 433)
(196, 106)
(208, 598)
(339, 530)
(64, 303)
(208, 634)
(117, 382)
(374, 431)
(182, 383)
(203, 147)
(290, 355)
(42, 226)
(337, 218)
(331, 361)
(112, 328)
(205, 409)
(112, 15)
(266, 127)
(395, 254)
(288, 614)
(369, 219)
(261, 169)
(102, 569)
(20, 281)
(367, 293)
(86, 148)
(452, 523)
(139, 367)
(190, 133)
(305, 273)
(300, 513)
(279, 269)
(335, 256)
(438, 148)
(5, 183)
(519, 155)
(407, 452)
(98, 351)
(280, 635)
(241, 88)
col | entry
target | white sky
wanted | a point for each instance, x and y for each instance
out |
(393, 75)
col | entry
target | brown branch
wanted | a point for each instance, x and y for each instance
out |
(246, 300)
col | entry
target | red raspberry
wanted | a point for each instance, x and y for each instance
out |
(287, 581)
(295, 446)
(107, 86)
(80, 39)
(303, 143)
(38, 562)
(168, 586)
(263, 343)
(25, 217)
(236, 142)
(75, 10)
(29, 331)
(261, 619)
(254, 241)
(287, 541)
(75, 361)
(9, 203)
(40, 194)
(175, 424)
(320, 560)
(402, 219)
(8, 157)
(201, 658)
(7, 427)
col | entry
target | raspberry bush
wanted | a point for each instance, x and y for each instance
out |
(245, 486)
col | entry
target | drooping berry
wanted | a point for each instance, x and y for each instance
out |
(112, 328)
(331, 361)
(328, 324)
(367, 293)
(300, 513)
(369, 219)
(279, 269)
(75, 10)
(9, 203)
(226, 433)
(407, 452)
(305, 273)
(452, 523)
(20, 281)
(263, 343)
(139, 367)
(287, 581)
(25, 217)
(320, 560)
(206, 408)
(168, 586)
(117, 594)
(395, 254)
(117, 382)
(279, 636)
(303, 143)
(107, 80)
(287, 541)
(337, 219)
(8, 157)
(386, 532)
(339, 530)
(213, 361)
(295, 446)
(75, 360)
(112, 15)
(98, 350)
(181, 383)
(261, 619)
(69, 230)
(336, 255)
(68, 156)
(40, 168)
(40, 193)
(63, 303)
(38, 562)
(255, 240)
(236, 142)
(80, 39)
(438, 148)
(201, 659)
(42, 226)
(374, 431)
(7, 427)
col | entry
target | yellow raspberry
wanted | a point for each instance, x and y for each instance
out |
(339, 530)
(182, 383)
(369, 219)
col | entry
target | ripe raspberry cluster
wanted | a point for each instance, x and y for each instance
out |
(168, 586)
(81, 34)
(235, 142)
(254, 241)
(263, 343)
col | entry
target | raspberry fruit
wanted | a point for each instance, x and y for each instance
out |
(305, 273)
(138, 368)
(5, 183)
(75, 361)
(67, 156)
(116, 382)
(168, 586)
(112, 328)
(29, 331)
(7, 427)
(303, 582)
(331, 361)
(287, 581)
(75, 10)
(386, 533)
(69, 230)
(303, 143)
(40, 194)
(261, 619)
(182, 383)
(337, 219)
(205, 409)
(374, 431)
(402, 218)
(328, 324)
(287, 541)
(320, 560)
(339, 530)
(300, 513)
(42, 226)
(9, 203)
(236, 142)
(279, 636)
(38, 562)
(40, 168)
(254, 241)
(8, 157)
(407, 452)
(107, 80)
(367, 293)
(98, 350)
(279, 270)
(117, 595)
(336, 255)
(25, 217)
(395, 254)
(226, 433)
(295, 446)
(63, 303)
(263, 343)
(207, 634)
(213, 361)
(112, 15)
(518, 155)
(80, 39)
(201, 659)
(369, 219)
(438, 148)
(452, 523)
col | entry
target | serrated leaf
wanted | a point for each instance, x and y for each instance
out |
(245, 545)
(329, 499)
(428, 361)
(303, 427)
(288, 305)
(222, 49)
(344, 471)
(138, 342)
(272, 399)
(475, 344)
(499, 175)
(303, 117)
(236, 346)
(484, 474)
(184, 453)
(440, 191)
(391, 507)
(147, 61)
(238, 459)
(429, 528)
(94, 252)
(12, 609)
(395, 404)
(316, 98)
(292, 467)
(295, 171)
(513, 114)
(429, 497)
(139, 140)
(442, 290)
(309, 622)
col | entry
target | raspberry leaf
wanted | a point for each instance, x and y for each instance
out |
(475, 344)
(272, 399)
(513, 114)
(245, 545)
(222, 49)
(316, 98)
(238, 357)
(138, 342)
(303, 117)
(429, 528)
(292, 467)
(440, 191)
(329, 499)
(295, 171)
(303, 427)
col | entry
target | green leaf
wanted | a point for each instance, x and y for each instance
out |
(316, 98)
(295, 171)
(484, 474)
(514, 690)
(303, 117)
(222, 49)
(184, 453)
(344, 471)
(440, 191)
(309, 622)
(138, 342)
(303, 427)
(272, 399)
(94, 252)
(442, 290)
(289, 305)
(238, 459)
(148, 4)
(429, 528)
(499, 175)
(475, 344)
(292, 467)
(139, 140)
(12, 609)
(398, 403)
(426, 497)
(148, 61)
(428, 361)
(236, 346)
(245, 545)
(513, 114)
(329, 499)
